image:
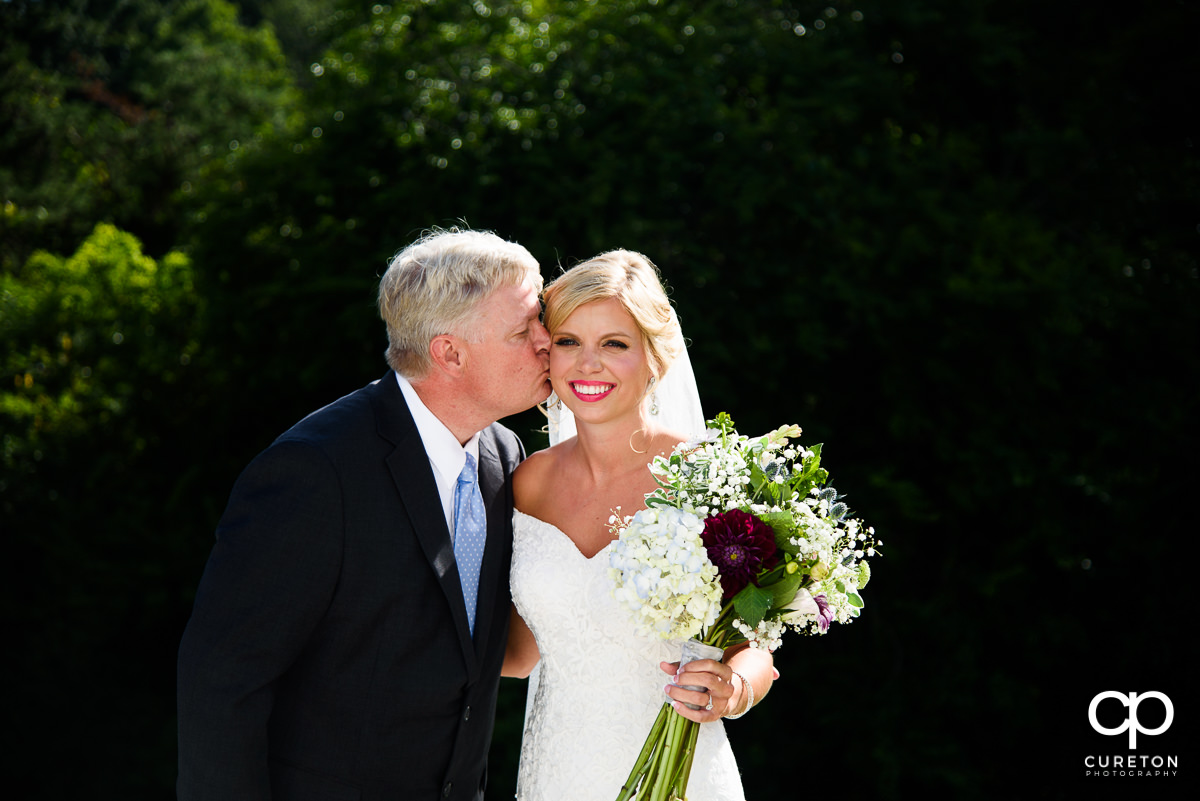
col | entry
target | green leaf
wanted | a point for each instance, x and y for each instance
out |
(781, 542)
(784, 526)
(784, 590)
(752, 604)
(758, 479)
(782, 522)
(854, 599)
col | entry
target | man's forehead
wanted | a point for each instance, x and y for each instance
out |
(514, 303)
(528, 296)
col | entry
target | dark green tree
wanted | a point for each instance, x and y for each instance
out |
(110, 111)
(98, 492)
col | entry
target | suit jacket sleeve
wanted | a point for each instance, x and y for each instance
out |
(269, 579)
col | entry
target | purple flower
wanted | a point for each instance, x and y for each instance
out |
(741, 546)
(825, 615)
(805, 606)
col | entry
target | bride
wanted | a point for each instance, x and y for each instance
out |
(598, 684)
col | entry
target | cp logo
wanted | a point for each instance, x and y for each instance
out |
(1131, 723)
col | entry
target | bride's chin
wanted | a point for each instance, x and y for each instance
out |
(589, 414)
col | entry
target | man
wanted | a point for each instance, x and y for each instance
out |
(332, 652)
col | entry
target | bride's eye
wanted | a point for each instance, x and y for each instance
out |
(616, 343)
(564, 342)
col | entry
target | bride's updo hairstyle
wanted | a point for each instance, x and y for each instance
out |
(634, 281)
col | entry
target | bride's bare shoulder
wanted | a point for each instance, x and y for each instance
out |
(665, 442)
(534, 477)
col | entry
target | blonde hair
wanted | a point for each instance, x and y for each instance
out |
(634, 281)
(434, 285)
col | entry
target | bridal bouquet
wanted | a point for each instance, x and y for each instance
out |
(741, 541)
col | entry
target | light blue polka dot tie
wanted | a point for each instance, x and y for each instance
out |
(470, 534)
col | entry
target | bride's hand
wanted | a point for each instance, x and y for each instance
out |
(714, 677)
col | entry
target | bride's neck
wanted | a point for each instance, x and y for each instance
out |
(617, 447)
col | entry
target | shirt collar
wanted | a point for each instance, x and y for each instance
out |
(445, 453)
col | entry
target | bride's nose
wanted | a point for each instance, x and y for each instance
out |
(589, 359)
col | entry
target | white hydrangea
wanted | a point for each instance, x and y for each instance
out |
(662, 574)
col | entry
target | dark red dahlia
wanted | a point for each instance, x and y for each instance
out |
(741, 546)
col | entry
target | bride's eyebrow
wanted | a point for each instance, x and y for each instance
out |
(562, 332)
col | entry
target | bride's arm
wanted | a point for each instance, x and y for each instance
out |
(521, 653)
(757, 669)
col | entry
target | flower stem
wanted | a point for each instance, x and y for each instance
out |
(670, 757)
(720, 630)
(642, 765)
(685, 765)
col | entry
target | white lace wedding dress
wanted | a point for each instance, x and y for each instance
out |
(599, 687)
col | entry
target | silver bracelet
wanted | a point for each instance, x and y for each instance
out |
(749, 692)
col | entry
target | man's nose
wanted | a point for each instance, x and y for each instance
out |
(541, 339)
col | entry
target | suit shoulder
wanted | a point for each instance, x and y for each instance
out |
(508, 445)
(348, 415)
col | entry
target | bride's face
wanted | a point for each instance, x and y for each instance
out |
(598, 362)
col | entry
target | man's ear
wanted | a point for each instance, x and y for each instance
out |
(448, 354)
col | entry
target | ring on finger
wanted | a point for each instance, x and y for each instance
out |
(709, 706)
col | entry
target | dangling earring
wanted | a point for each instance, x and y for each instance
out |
(653, 396)
(553, 402)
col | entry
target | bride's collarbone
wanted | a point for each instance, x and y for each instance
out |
(587, 523)
(591, 525)
(586, 505)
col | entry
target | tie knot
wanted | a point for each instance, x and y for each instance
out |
(468, 474)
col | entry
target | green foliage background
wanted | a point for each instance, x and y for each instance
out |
(955, 241)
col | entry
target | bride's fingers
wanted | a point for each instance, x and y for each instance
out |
(683, 699)
(695, 673)
(708, 691)
(700, 667)
(700, 683)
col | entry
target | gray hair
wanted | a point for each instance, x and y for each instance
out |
(434, 285)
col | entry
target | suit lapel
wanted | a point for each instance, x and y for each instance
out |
(413, 477)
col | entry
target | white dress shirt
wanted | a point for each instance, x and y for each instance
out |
(446, 456)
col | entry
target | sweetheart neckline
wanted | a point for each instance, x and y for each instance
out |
(567, 538)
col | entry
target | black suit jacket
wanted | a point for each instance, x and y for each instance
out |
(328, 655)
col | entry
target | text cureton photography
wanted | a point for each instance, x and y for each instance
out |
(1122, 709)
(1131, 765)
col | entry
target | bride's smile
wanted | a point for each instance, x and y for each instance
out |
(591, 391)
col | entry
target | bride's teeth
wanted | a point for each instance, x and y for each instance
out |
(592, 389)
